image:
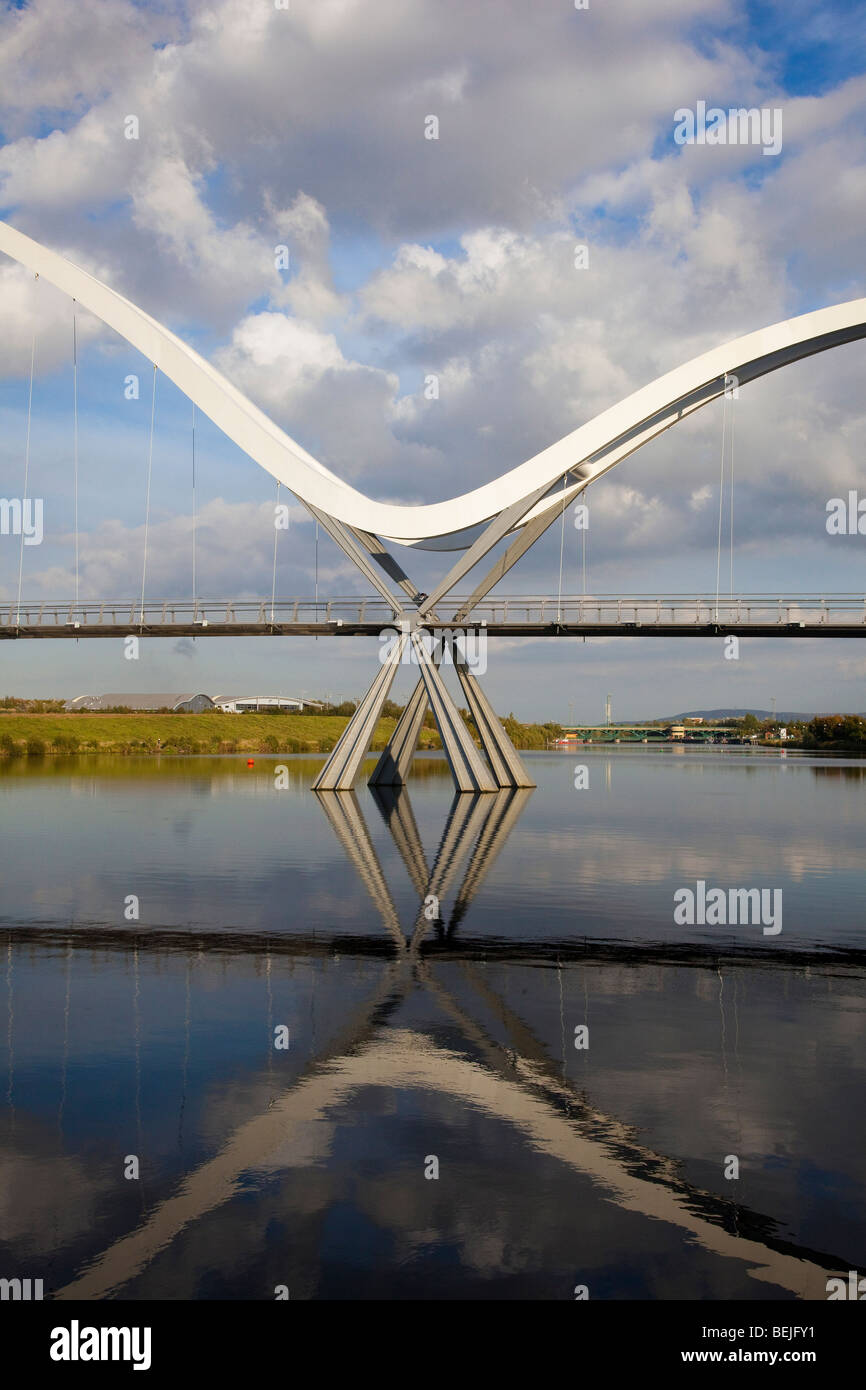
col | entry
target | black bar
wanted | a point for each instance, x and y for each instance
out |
(280, 1337)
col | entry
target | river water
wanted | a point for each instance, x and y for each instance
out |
(256, 1042)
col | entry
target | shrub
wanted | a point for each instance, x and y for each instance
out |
(65, 743)
(846, 729)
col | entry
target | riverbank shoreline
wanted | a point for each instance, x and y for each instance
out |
(62, 734)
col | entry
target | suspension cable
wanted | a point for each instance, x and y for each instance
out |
(732, 503)
(561, 549)
(721, 501)
(147, 496)
(276, 533)
(584, 530)
(75, 440)
(194, 589)
(26, 472)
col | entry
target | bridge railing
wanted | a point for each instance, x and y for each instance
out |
(372, 612)
(189, 613)
(699, 610)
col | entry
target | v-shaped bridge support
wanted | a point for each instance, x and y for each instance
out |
(468, 768)
(503, 766)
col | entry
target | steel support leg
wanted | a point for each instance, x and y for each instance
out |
(341, 769)
(505, 761)
(392, 769)
(468, 768)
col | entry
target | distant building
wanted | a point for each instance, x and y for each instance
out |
(186, 704)
(256, 704)
(189, 704)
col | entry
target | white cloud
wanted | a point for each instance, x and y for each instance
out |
(234, 557)
(279, 357)
(261, 127)
(35, 311)
(47, 53)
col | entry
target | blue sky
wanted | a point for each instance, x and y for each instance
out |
(452, 257)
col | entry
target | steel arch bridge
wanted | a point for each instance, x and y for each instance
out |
(519, 505)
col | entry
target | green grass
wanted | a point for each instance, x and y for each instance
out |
(36, 734)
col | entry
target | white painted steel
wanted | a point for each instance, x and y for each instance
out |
(590, 450)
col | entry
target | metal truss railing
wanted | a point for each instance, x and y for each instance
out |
(369, 613)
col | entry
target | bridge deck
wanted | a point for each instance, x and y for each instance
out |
(641, 615)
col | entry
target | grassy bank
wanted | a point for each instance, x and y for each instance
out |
(36, 735)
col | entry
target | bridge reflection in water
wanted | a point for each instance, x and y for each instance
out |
(420, 1030)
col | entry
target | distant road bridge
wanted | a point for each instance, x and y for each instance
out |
(650, 733)
(523, 615)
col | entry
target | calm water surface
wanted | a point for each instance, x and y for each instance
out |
(428, 962)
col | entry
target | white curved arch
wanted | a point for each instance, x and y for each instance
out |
(587, 452)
